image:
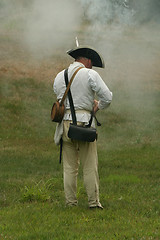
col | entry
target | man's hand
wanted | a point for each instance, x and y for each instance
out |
(95, 107)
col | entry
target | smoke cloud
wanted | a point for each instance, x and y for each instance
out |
(121, 11)
(50, 25)
(126, 32)
(43, 27)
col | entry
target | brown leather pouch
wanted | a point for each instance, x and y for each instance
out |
(57, 112)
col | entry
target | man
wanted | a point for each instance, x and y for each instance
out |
(86, 84)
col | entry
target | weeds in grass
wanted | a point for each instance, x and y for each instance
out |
(40, 192)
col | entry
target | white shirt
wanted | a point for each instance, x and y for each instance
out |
(85, 85)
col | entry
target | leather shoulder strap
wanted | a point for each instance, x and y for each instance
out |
(69, 84)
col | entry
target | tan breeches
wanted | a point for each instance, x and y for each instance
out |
(75, 152)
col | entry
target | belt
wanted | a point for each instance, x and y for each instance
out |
(81, 111)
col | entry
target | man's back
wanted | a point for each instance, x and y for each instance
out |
(86, 83)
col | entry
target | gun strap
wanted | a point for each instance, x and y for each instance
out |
(68, 91)
(74, 119)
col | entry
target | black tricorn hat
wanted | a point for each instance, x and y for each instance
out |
(88, 52)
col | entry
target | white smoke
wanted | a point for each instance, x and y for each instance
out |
(109, 20)
(121, 11)
(51, 25)
(127, 33)
(107, 11)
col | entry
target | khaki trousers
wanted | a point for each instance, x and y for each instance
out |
(75, 152)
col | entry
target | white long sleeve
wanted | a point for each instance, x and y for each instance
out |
(86, 84)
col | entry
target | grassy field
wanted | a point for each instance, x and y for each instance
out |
(31, 185)
(32, 204)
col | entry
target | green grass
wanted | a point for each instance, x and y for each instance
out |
(32, 202)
